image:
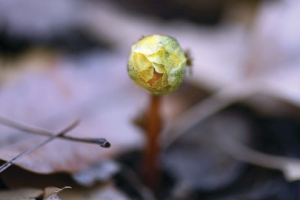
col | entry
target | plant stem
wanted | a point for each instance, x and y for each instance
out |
(153, 128)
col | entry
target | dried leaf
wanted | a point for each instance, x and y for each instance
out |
(51, 193)
(27, 151)
(94, 94)
(21, 194)
(98, 191)
(98, 172)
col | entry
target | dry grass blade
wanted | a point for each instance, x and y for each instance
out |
(52, 137)
(30, 129)
(210, 106)
(290, 167)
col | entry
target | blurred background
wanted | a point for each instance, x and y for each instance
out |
(239, 103)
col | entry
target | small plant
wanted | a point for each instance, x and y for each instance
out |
(156, 63)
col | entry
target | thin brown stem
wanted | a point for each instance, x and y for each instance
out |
(153, 127)
(52, 137)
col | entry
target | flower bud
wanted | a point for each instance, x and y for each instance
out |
(157, 63)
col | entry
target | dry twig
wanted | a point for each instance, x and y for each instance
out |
(31, 129)
(52, 137)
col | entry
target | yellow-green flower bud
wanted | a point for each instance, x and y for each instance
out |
(157, 63)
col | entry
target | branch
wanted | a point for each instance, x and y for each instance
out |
(31, 129)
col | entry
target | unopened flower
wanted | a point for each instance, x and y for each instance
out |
(157, 63)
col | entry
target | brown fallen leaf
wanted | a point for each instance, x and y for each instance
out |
(101, 97)
(18, 157)
(51, 193)
(21, 194)
(98, 191)
(97, 172)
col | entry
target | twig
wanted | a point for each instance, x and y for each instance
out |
(31, 129)
(52, 137)
(206, 108)
(190, 118)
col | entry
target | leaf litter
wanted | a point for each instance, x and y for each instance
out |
(49, 193)
(210, 73)
(60, 157)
